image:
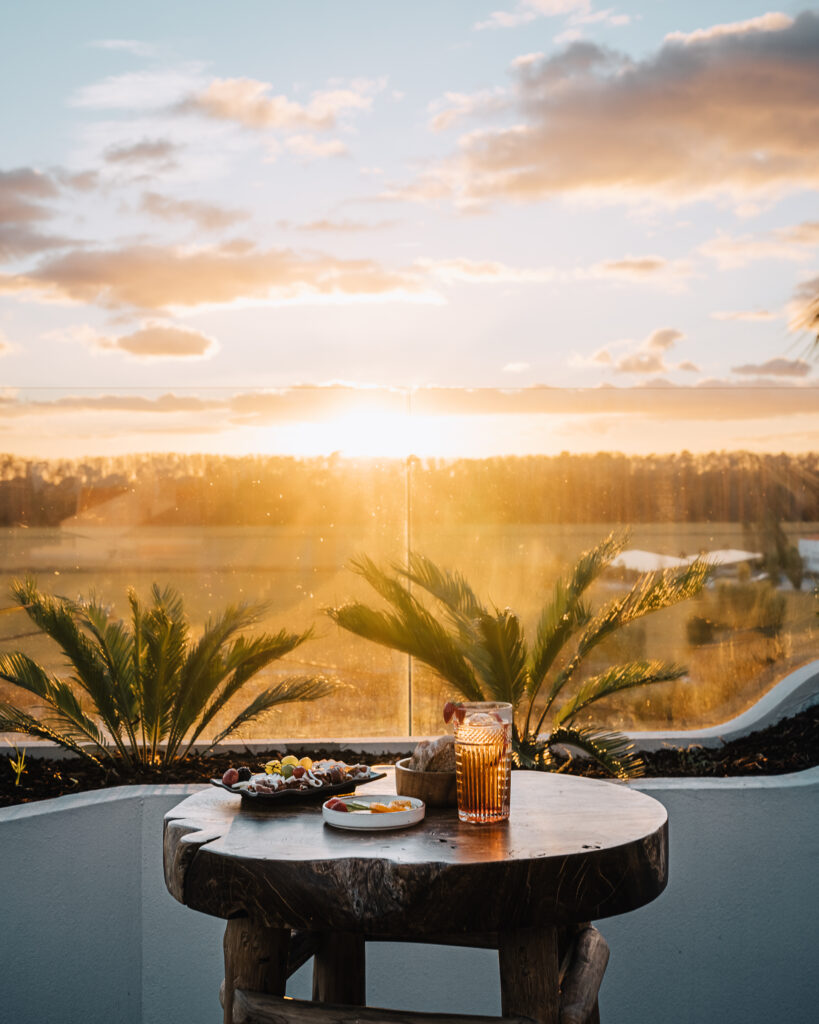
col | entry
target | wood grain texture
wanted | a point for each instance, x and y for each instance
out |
(255, 959)
(529, 973)
(573, 850)
(578, 998)
(339, 974)
(252, 1008)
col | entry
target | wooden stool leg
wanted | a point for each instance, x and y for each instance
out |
(339, 974)
(529, 974)
(255, 959)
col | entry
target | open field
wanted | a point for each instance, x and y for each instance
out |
(297, 571)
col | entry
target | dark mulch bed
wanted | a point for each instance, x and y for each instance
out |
(790, 746)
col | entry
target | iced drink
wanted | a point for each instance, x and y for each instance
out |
(483, 746)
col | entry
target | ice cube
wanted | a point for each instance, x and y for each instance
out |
(482, 720)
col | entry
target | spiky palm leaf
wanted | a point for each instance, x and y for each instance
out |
(482, 653)
(147, 683)
(651, 592)
(409, 627)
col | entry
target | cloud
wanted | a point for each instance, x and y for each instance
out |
(771, 22)
(458, 106)
(141, 90)
(151, 277)
(146, 151)
(161, 341)
(136, 47)
(806, 233)
(730, 252)
(649, 356)
(774, 368)
(22, 194)
(251, 103)
(528, 10)
(652, 270)
(5, 345)
(346, 225)
(731, 113)
(205, 215)
(485, 271)
(744, 314)
(311, 148)
(516, 367)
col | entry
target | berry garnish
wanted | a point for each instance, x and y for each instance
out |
(449, 711)
(230, 778)
(245, 773)
(298, 772)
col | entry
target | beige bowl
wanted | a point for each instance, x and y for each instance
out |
(436, 789)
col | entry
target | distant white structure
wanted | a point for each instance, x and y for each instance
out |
(635, 560)
(809, 552)
(729, 556)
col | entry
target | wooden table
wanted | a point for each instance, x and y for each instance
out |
(573, 850)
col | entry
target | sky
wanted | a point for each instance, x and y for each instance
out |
(205, 205)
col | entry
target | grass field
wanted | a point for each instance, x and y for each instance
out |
(296, 572)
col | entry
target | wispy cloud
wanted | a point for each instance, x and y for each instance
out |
(644, 358)
(253, 103)
(311, 148)
(208, 216)
(136, 47)
(774, 368)
(24, 193)
(145, 152)
(454, 107)
(150, 277)
(160, 341)
(744, 314)
(485, 271)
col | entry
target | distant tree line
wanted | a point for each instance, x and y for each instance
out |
(211, 490)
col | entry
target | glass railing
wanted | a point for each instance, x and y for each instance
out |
(265, 496)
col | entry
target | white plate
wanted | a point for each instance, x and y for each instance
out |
(369, 822)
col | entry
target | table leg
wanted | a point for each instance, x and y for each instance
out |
(529, 974)
(339, 969)
(255, 960)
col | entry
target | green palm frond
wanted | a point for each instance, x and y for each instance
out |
(243, 660)
(612, 750)
(205, 668)
(652, 592)
(414, 631)
(294, 688)
(450, 588)
(116, 645)
(55, 617)
(567, 612)
(615, 680)
(500, 656)
(13, 719)
(147, 683)
(483, 654)
(61, 708)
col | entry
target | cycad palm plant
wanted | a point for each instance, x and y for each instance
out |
(483, 654)
(143, 692)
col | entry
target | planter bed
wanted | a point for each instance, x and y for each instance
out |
(788, 746)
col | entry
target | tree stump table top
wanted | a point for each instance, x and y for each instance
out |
(573, 850)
